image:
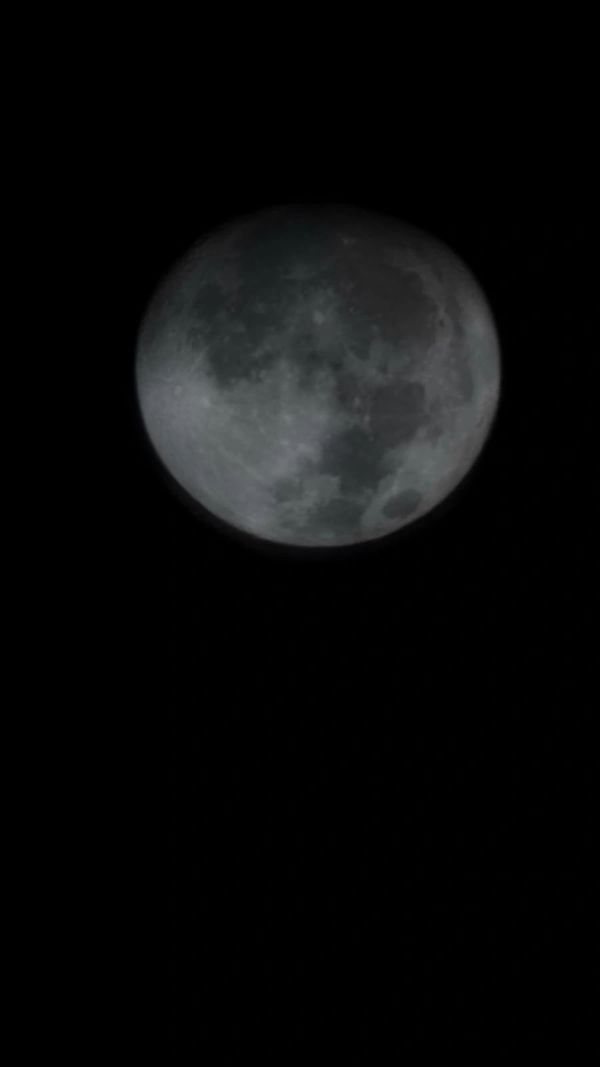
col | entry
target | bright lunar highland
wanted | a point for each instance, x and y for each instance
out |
(318, 376)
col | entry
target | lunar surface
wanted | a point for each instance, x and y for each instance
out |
(318, 376)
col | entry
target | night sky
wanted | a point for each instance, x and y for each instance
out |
(357, 807)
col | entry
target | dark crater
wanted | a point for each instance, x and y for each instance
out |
(355, 458)
(287, 489)
(402, 505)
(397, 411)
(341, 516)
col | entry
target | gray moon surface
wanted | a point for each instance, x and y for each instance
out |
(318, 376)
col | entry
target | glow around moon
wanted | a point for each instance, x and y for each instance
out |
(318, 376)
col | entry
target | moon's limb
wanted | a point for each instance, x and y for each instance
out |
(318, 379)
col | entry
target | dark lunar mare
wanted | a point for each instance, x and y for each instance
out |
(264, 297)
(375, 298)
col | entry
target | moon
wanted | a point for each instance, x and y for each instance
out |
(318, 376)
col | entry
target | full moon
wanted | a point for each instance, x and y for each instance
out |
(318, 376)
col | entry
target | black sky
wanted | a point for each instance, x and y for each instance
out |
(358, 796)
